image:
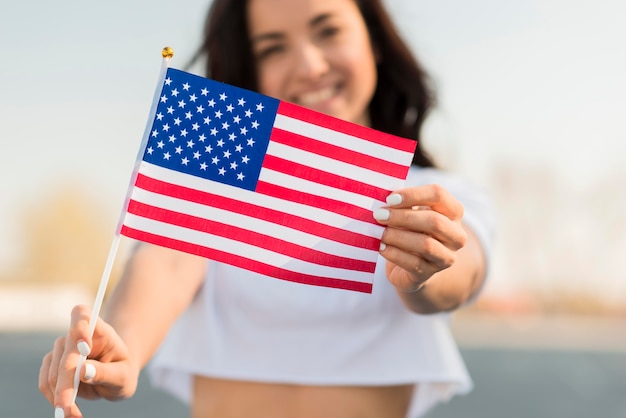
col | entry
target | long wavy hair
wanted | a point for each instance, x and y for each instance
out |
(404, 93)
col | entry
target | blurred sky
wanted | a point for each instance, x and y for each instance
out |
(535, 82)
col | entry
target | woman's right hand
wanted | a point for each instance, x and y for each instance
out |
(108, 372)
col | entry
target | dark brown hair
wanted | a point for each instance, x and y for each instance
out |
(404, 93)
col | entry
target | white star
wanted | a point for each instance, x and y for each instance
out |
(232, 136)
(203, 166)
(220, 143)
(186, 86)
(237, 119)
(166, 156)
(233, 165)
(240, 176)
(215, 160)
(226, 154)
(241, 102)
(154, 133)
(214, 132)
(202, 137)
(260, 107)
(207, 120)
(223, 97)
(212, 103)
(150, 150)
(230, 108)
(185, 161)
(168, 81)
(248, 113)
(177, 121)
(181, 103)
(238, 148)
(175, 92)
(195, 126)
(159, 116)
(222, 171)
(225, 125)
(192, 98)
(163, 99)
(208, 149)
(245, 159)
(199, 109)
(250, 142)
(172, 138)
(196, 155)
(170, 110)
(179, 150)
(244, 130)
(183, 132)
(190, 143)
(218, 114)
(188, 115)
(166, 127)
(255, 124)
(204, 91)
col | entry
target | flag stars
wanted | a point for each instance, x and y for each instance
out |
(230, 108)
(183, 132)
(179, 150)
(200, 109)
(211, 103)
(240, 176)
(188, 115)
(207, 120)
(186, 86)
(203, 166)
(215, 160)
(167, 156)
(238, 148)
(232, 136)
(166, 127)
(250, 142)
(193, 98)
(196, 155)
(195, 126)
(172, 138)
(220, 143)
(190, 143)
(170, 110)
(150, 150)
(155, 133)
(202, 137)
(255, 125)
(185, 161)
(248, 113)
(208, 149)
(182, 104)
(218, 114)
(234, 165)
(260, 107)
(177, 121)
(245, 159)
(244, 130)
(237, 119)
(168, 81)
(175, 93)
(222, 171)
(214, 132)
(159, 116)
(227, 154)
(163, 99)
(204, 91)
(241, 101)
(225, 125)
(223, 97)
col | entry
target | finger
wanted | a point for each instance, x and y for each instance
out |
(44, 385)
(53, 365)
(432, 195)
(409, 223)
(113, 378)
(79, 332)
(409, 250)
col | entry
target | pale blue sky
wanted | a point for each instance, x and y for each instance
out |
(536, 82)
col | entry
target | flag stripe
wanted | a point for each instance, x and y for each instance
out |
(245, 263)
(323, 177)
(235, 249)
(297, 119)
(247, 236)
(339, 154)
(260, 213)
(327, 203)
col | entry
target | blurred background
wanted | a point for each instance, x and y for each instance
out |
(532, 95)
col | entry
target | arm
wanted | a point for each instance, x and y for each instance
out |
(434, 261)
(157, 285)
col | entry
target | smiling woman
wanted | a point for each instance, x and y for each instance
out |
(236, 343)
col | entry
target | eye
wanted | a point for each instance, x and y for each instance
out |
(268, 51)
(328, 32)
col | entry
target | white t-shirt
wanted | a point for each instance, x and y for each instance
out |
(246, 326)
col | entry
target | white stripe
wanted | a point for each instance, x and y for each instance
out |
(237, 248)
(342, 140)
(296, 183)
(253, 224)
(327, 217)
(333, 166)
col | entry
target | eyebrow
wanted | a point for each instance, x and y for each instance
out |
(272, 36)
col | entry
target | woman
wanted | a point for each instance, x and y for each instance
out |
(236, 344)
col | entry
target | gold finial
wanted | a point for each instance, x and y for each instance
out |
(167, 52)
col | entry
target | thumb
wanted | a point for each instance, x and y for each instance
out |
(112, 381)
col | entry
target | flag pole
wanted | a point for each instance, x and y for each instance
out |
(167, 53)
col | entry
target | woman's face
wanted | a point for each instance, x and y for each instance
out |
(315, 53)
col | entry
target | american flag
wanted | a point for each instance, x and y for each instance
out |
(265, 185)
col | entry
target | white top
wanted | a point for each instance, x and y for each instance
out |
(246, 326)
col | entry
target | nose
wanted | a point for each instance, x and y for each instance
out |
(310, 62)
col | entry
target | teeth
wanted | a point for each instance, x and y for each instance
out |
(310, 99)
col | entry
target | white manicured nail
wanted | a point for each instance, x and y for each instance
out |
(394, 199)
(381, 214)
(382, 246)
(83, 348)
(90, 371)
(58, 413)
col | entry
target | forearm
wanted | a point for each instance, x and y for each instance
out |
(156, 287)
(450, 288)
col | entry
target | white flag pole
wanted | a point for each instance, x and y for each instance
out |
(167, 54)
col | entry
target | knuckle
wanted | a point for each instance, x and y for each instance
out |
(438, 192)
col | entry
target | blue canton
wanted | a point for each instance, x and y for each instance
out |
(211, 130)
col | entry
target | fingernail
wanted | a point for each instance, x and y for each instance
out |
(83, 348)
(382, 246)
(381, 214)
(90, 371)
(394, 199)
(58, 413)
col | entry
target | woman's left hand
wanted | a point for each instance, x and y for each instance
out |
(422, 235)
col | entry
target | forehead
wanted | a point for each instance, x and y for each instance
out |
(280, 15)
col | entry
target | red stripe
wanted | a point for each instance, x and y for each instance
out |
(332, 205)
(306, 172)
(238, 260)
(338, 153)
(270, 215)
(330, 122)
(249, 237)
